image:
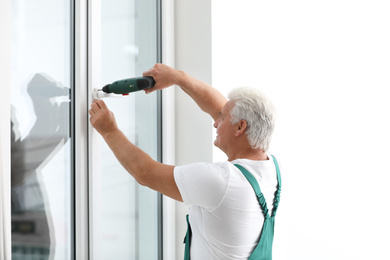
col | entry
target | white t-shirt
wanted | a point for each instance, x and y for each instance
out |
(225, 216)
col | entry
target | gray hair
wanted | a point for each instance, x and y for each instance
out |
(256, 109)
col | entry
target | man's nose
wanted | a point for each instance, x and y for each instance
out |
(215, 124)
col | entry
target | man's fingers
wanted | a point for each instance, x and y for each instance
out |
(95, 107)
(150, 90)
(101, 104)
(98, 104)
(148, 73)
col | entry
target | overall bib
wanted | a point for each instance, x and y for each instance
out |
(263, 250)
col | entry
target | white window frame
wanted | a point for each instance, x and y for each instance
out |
(5, 147)
(168, 127)
(81, 105)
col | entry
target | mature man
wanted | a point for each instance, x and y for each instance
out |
(225, 217)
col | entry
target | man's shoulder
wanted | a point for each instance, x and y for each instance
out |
(203, 184)
(206, 167)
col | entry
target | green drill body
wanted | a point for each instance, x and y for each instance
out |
(125, 86)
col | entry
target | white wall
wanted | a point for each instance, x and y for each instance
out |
(193, 127)
(325, 64)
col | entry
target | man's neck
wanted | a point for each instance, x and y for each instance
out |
(252, 154)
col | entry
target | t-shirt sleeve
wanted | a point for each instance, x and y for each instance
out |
(202, 184)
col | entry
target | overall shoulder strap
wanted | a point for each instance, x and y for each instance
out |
(256, 188)
(277, 171)
(277, 193)
(187, 240)
(263, 250)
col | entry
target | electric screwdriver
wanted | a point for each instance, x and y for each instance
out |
(125, 86)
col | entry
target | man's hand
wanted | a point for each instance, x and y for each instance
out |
(164, 76)
(102, 119)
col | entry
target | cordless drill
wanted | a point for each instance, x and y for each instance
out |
(126, 86)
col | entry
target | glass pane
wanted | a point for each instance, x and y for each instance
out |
(41, 149)
(130, 214)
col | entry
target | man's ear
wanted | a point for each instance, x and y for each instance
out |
(241, 127)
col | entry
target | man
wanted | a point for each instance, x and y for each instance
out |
(225, 217)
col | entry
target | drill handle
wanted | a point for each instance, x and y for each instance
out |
(145, 82)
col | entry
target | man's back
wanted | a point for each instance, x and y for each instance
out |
(226, 220)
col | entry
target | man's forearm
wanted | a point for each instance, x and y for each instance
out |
(133, 159)
(140, 165)
(206, 97)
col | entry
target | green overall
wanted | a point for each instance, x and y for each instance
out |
(263, 250)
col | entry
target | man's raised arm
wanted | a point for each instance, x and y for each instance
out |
(208, 98)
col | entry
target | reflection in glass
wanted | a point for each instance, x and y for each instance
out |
(130, 213)
(40, 130)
